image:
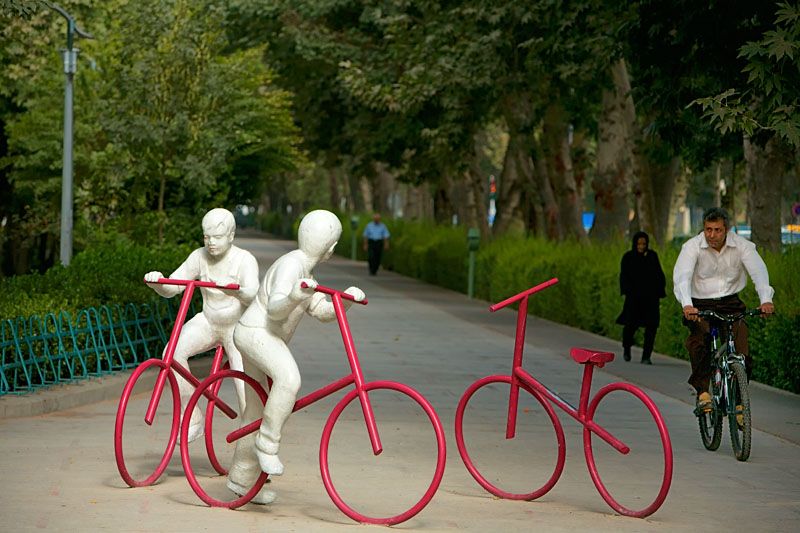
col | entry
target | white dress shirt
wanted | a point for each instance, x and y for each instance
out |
(702, 272)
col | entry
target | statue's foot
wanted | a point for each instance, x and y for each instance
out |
(196, 427)
(195, 432)
(263, 497)
(269, 463)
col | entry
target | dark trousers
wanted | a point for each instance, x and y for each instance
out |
(649, 339)
(697, 342)
(374, 252)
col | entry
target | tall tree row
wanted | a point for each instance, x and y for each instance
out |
(568, 106)
(170, 122)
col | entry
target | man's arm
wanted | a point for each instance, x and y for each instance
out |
(682, 279)
(757, 270)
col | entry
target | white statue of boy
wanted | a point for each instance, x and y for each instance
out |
(221, 262)
(262, 336)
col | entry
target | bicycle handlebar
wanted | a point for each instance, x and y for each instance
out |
(730, 318)
(523, 294)
(208, 284)
(331, 292)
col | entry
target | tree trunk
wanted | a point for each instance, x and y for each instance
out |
(475, 194)
(443, 208)
(643, 183)
(333, 188)
(764, 169)
(366, 193)
(665, 177)
(418, 202)
(614, 169)
(549, 206)
(508, 187)
(680, 188)
(560, 171)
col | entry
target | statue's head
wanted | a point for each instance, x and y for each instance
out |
(318, 234)
(218, 230)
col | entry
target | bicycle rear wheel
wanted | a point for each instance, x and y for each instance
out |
(710, 422)
(148, 438)
(631, 478)
(406, 461)
(739, 405)
(526, 443)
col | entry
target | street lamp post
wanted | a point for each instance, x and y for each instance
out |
(70, 60)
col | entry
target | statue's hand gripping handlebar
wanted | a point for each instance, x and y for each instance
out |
(326, 290)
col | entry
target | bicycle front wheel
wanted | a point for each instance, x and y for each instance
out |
(710, 422)
(510, 460)
(148, 440)
(739, 412)
(410, 459)
(648, 462)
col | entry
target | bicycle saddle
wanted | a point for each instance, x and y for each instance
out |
(591, 356)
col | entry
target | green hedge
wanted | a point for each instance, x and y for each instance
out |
(587, 296)
(110, 272)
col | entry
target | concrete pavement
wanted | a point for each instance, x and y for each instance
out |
(59, 472)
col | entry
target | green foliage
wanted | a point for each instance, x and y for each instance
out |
(105, 274)
(770, 100)
(21, 8)
(587, 295)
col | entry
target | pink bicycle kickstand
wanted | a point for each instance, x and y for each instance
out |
(165, 376)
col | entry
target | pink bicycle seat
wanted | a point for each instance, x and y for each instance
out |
(591, 356)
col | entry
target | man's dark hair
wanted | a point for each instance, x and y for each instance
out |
(713, 214)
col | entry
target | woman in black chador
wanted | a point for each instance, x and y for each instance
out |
(642, 282)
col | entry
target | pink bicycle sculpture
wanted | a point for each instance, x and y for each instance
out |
(362, 391)
(165, 376)
(585, 414)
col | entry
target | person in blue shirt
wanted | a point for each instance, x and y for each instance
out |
(376, 240)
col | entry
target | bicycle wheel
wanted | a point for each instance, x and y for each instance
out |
(632, 473)
(406, 461)
(149, 439)
(214, 491)
(512, 454)
(710, 422)
(738, 394)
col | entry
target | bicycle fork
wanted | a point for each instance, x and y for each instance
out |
(358, 377)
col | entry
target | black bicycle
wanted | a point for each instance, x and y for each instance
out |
(728, 389)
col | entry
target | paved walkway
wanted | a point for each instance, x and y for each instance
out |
(59, 473)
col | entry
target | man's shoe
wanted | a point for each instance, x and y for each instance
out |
(646, 361)
(739, 417)
(704, 402)
(626, 354)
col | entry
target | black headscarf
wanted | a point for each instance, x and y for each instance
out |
(636, 240)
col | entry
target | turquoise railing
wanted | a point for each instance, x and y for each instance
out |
(37, 353)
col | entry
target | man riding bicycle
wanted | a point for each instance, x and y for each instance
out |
(708, 276)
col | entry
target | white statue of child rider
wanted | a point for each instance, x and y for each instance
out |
(262, 336)
(221, 262)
